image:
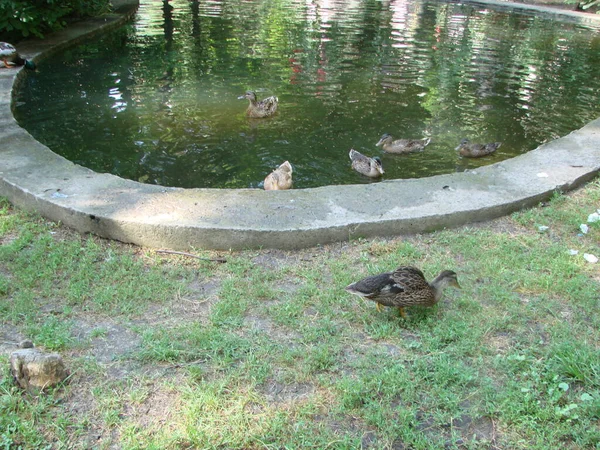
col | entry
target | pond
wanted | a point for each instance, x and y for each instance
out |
(157, 100)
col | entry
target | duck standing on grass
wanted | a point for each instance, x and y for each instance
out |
(470, 150)
(258, 110)
(280, 179)
(405, 286)
(11, 58)
(370, 167)
(390, 145)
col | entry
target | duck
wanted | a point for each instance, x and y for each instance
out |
(280, 179)
(390, 145)
(471, 150)
(264, 108)
(371, 167)
(11, 58)
(405, 286)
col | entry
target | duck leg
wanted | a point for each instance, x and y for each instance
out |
(378, 306)
(6, 63)
(402, 312)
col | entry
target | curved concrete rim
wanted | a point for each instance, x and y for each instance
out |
(34, 178)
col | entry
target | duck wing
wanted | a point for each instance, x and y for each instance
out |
(278, 180)
(375, 286)
(269, 103)
(358, 156)
(415, 287)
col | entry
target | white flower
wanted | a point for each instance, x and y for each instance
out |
(584, 228)
(573, 252)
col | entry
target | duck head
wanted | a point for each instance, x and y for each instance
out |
(464, 141)
(385, 138)
(377, 164)
(250, 95)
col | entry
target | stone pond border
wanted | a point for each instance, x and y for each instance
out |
(34, 178)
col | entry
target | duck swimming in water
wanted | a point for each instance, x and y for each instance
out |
(470, 150)
(259, 109)
(11, 58)
(390, 145)
(370, 167)
(280, 179)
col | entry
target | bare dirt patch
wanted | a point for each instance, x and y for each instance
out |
(108, 341)
(156, 410)
(499, 342)
(275, 332)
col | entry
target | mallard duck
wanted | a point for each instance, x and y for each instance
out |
(405, 286)
(370, 167)
(264, 108)
(402, 145)
(280, 179)
(470, 150)
(11, 58)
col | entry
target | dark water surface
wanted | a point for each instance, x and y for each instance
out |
(156, 101)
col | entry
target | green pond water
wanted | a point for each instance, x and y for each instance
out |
(157, 100)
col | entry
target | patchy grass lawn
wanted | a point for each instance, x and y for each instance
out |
(267, 350)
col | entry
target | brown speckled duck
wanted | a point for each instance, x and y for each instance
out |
(390, 145)
(370, 167)
(280, 179)
(11, 58)
(264, 108)
(470, 150)
(405, 286)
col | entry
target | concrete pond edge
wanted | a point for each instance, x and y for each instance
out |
(34, 178)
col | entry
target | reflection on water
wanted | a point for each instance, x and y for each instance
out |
(156, 101)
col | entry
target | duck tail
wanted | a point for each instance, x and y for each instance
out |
(426, 142)
(287, 167)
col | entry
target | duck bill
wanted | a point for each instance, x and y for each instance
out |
(241, 97)
(380, 143)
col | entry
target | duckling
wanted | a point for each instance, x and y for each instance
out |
(405, 286)
(280, 179)
(470, 150)
(371, 167)
(11, 58)
(264, 108)
(402, 145)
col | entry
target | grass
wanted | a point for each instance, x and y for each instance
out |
(268, 351)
